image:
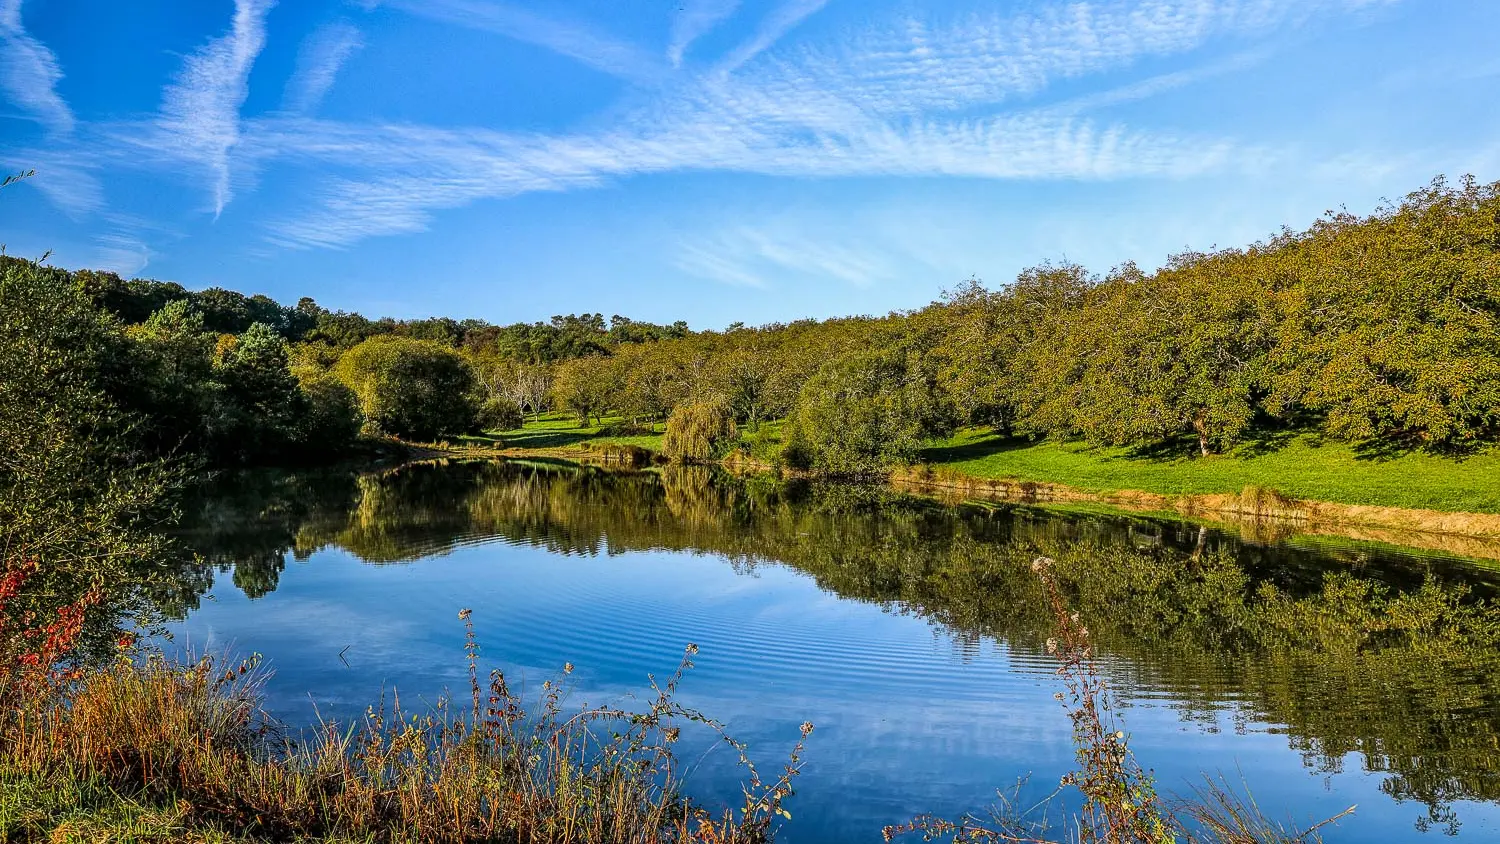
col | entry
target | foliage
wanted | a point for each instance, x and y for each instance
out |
(77, 491)
(867, 412)
(262, 405)
(1382, 330)
(331, 418)
(1146, 358)
(498, 413)
(585, 386)
(699, 431)
(410, 388)
(1393, 330)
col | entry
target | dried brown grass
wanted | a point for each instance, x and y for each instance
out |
(194, 736)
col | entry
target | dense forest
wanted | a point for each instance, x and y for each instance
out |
(1379, 328)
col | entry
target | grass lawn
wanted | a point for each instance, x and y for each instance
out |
(1302, 466)
(559, 430)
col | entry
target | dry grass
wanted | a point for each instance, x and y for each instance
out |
(194, 737)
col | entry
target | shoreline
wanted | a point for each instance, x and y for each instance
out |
(1258, 514)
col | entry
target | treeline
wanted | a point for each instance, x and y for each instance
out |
(243, 379)
(1381, 328)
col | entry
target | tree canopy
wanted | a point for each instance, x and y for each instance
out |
(1382, 329)
(411, 388)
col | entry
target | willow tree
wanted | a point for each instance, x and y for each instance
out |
(699, 431)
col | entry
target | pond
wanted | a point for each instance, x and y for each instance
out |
(911, 633)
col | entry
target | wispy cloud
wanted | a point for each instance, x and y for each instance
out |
(569, 38)
(29, 72)
(787, 249)
(908, 100)
(916, 97)
(450, 168)
(120, 253)
(200, 113)
(696, 18)
(1159, 84)
(706, 261)
(782, 20)
(318, 62)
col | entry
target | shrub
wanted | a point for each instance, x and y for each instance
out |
(332, 419)
(498, 413)
(699, 431)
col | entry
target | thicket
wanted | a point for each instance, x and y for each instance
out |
(1380, 329)
(168, 386)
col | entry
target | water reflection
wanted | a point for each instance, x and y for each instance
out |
(1361, 657)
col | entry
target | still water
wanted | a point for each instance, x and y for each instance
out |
(910, 633)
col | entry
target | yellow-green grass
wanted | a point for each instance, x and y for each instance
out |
(558, 430)
(1302, 466)
(67, 808)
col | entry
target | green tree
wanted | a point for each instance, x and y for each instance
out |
(410, 388)
(169, 379)
(78, 491)
(498, 413)
(1148, 358)
(261, 406)
(699, 431)
(588, 386)
(650, 379)
(330, 422)
(865, 413)
(1393, 330)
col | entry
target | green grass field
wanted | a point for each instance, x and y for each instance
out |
(1301, 466)
(558, 430)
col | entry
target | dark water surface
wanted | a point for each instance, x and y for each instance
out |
(911, 634)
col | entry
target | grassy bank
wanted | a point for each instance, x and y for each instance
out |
(1302, 467)
(556, 431)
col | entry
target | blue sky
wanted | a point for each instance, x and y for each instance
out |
(711, 160)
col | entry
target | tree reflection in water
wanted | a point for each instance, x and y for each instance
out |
(1356, 655)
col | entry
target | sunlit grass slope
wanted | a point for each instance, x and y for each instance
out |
(558, 430)
(1301, 466)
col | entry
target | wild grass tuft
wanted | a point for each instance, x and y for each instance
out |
(191, 739)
